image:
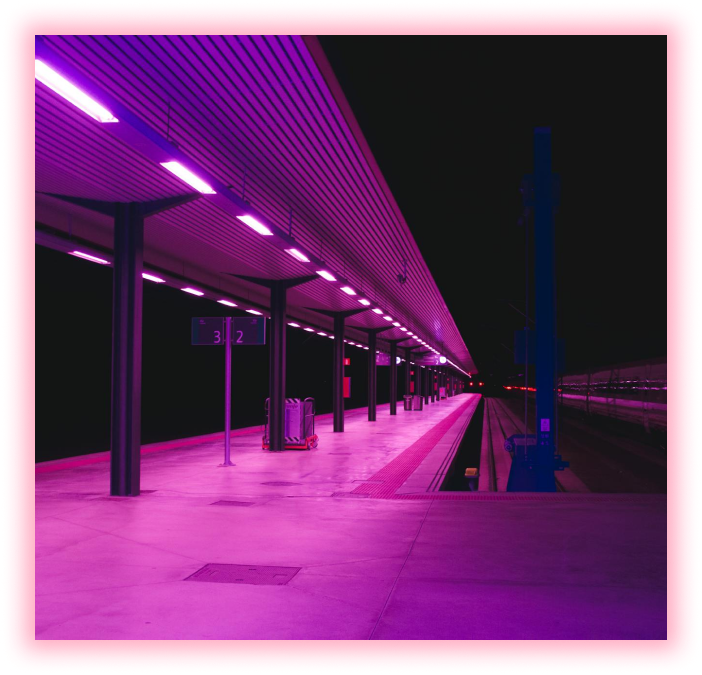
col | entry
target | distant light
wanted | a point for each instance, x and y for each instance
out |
(255, 225)
(387, 317)
(396, 323)
(351, 343)
(348, 290)
(297, 254)
(322, 334)
(410, 334)
(378, 311)
(442, 359)
(71, 93)
(188, 177)
(403, 329)
(192, 291)
(331, 337)
(364, 302)
(227, 303)
(360, 346)
(398, 360)
(366, 348)
(92, 258)
(309, 330)
(326, 275)
(153, 278)
(254, 311)
(480, 384)
(294, 325)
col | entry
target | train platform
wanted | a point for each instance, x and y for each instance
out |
(342, 542)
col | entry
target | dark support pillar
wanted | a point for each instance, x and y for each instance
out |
(276, 373)
(408, 371)
(432, 392)
(338, 373)
(418, 380)
(545, 281)
(126, 350)
(125, 433)
(372, 376)
(393, 378)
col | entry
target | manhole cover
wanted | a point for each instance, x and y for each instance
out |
(257, 575)
(280, 483)
(226, 502)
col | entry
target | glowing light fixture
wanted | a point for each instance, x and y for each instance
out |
(227, 303)
(187, 176)
(153, 278)
(309, 330)
(403, 329)
(255, 225)
(322, 334)
(410, 334)
(396, 323)
(352, 343)
(348, 290)
(364, 302)
(366, 348)
(442, 359)
(254, 311)
(192, 291)
(92, 258)
(326, 275)
(378, 310)
(294, 325)
(387, 317)
(298, 255)
(71, 93)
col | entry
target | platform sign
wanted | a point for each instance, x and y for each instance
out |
(382, 359)
(207, 330)
(427, 360)
(249, 331)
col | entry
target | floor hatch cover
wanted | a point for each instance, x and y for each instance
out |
(257, 575)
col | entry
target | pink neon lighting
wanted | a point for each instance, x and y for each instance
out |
(192, 291)
(227, 303)
(294, 325)
(71, 93)
(255, 225)
(364, 302)
(326, 275)
(153, 278)
(188, 177)
(92, 258)
(298, 255)
(254, 311)
(348, 290)
(377, 310)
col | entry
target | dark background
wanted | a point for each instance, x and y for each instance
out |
(450, 122)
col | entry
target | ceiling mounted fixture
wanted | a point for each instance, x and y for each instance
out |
(92, 258)
(255, 225)
(71, 93)
(326, 275)
(298, 255)
(187, 176)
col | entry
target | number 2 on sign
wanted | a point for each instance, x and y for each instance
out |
(217, 337)
(240, 335)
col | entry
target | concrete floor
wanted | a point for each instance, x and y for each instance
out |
(444, 566)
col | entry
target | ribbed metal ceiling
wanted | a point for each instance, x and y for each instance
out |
(259, 114)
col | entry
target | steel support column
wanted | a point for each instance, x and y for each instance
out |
(372, 376)
(125, 431)
(418, 380)
(338, 373)
(393, 377)
(432, 392)
(408, 370)
(276, 373)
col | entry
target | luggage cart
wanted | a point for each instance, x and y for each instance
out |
(299, 425)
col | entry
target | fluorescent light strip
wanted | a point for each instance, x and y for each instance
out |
(255, 225)
(87, 256)
(403, 329)
(309, 330)
(192, 291)
(322, 334)
(348, 290)
(254, 311)
(326, 275)
(188, 177)
(294, 325)
(153, 278)
(71, 93)
(227, 303)
(387, 318)
(364, 302)
(377, 310)
(298, 255)
(396, 323)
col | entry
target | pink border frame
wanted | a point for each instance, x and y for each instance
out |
(680, 26)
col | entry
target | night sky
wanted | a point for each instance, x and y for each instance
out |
(450, 122)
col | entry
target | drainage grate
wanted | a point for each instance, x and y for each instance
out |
(256, 575)
(280, 483)
(227, 502)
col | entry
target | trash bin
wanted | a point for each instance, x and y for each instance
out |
(417, 402)
(408, 402)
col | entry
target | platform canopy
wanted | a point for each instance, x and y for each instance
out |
(263, 123)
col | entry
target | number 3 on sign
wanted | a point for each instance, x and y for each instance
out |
(239, 336)
(217, 337)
